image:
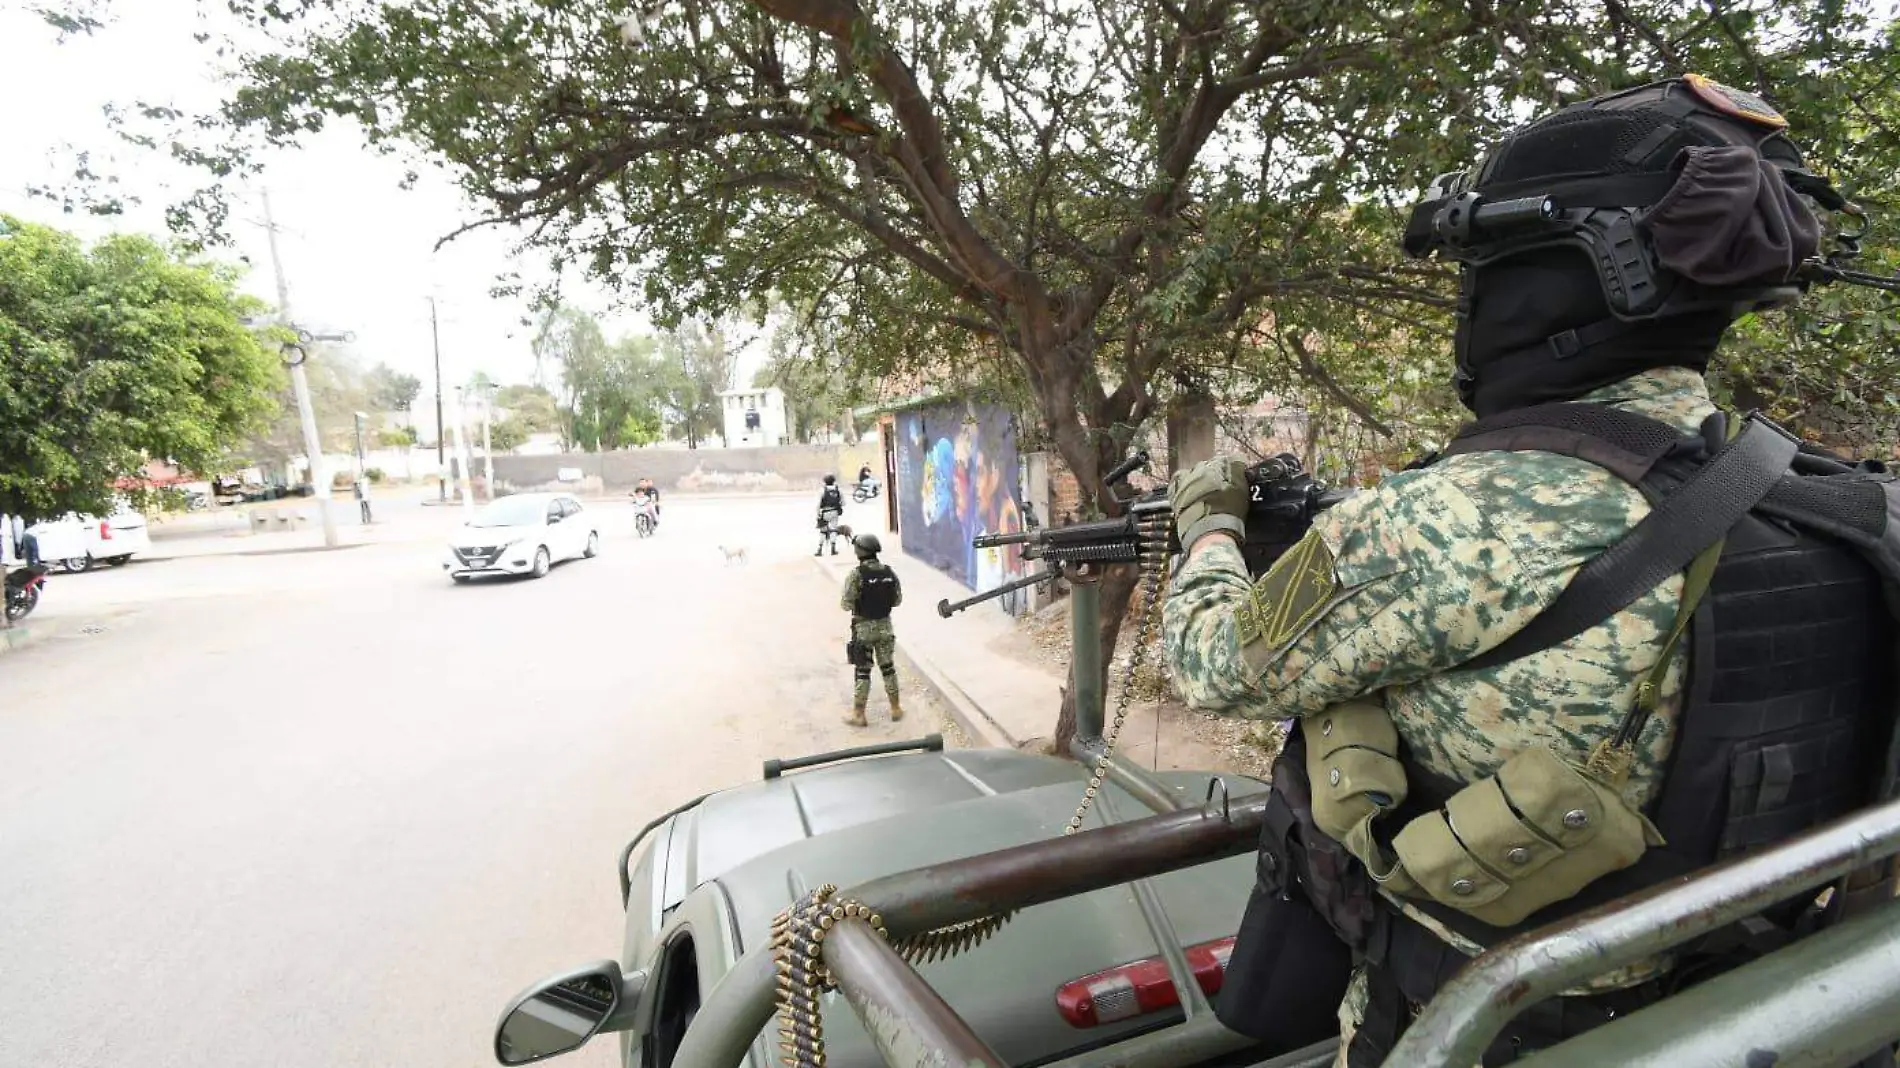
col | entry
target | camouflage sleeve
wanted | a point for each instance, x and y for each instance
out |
(849, 602)
(1392, 585)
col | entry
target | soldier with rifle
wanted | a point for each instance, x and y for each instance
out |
(1608, 636)
(870, 592)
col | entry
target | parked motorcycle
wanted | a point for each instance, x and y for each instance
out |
(864, 491)
(23, 591)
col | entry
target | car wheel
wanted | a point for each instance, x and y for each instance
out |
(593, 544)
(77, 564)
(119, 561)
(541, 562)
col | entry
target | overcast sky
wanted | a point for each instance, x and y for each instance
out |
(358, 251)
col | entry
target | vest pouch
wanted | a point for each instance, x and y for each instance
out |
(1535, 833)
(1352, 763)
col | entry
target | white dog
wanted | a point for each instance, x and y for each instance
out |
(732, 554)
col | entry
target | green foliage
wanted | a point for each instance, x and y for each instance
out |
(695, 366)
(396, 437)
(374, 474)
(1090, 205)
(612, 395)
(114, 354)
(391, 390)
(819, 389)
(508, 433)
(531, 407)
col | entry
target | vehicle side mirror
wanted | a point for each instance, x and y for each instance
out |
(553, 519)
(560, 1013)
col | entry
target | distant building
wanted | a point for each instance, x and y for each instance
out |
(754, 418)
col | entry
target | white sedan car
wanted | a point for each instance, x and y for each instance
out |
(77, 541)
(522, 534)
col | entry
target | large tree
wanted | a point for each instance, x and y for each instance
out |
(697, 365)
(113, 355)
(391, 390)
(1127, 202)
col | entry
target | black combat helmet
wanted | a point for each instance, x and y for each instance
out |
(1620, 234)
(867, 546)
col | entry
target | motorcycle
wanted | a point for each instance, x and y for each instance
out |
(23, 591)
(646, 516)
(866, 490)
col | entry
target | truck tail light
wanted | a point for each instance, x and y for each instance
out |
(1140, 987)
(105, 530)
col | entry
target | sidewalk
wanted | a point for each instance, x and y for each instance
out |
(997, 701)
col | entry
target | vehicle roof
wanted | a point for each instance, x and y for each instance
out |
(766, 843)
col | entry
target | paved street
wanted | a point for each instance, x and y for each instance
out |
(329, 809)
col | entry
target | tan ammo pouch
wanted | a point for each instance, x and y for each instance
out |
(1352, 762)
(1535, 833)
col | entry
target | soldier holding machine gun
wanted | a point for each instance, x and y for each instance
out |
(1281, 500)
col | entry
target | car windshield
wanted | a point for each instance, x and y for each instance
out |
(512, 512)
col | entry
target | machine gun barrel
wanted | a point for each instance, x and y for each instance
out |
(1127, 467)
(946, 608)
(993, 541)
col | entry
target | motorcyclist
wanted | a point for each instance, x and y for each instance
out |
(865, 481)
(652, 497)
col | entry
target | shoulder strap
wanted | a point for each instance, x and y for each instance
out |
(1625, 443)
(1690, 519)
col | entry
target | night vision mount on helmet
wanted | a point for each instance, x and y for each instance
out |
(1605, 175)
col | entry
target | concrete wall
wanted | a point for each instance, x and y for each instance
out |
(787, 467)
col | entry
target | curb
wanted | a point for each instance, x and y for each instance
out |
(975, 723)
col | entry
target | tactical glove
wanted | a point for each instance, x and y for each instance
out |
(1210, 496)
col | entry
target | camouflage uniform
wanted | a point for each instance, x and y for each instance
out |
(1394, 588)
(877, 635)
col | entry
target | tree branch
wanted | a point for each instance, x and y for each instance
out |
(1319, 375)
(1620, 13)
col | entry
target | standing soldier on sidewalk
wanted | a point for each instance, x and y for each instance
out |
(870, 592)
(362, 496)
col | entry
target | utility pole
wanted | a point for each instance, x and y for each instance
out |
(441, 463)
(300, 384)
(461, 455)
(488, 448)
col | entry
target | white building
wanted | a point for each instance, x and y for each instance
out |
(754, 418)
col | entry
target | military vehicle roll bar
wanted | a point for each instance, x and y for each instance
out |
(1767, 1004)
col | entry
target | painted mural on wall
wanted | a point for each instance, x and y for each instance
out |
(958, 475)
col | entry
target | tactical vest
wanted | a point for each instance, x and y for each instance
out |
(1787, 721)
(877, 592)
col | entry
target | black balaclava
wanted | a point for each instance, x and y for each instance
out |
(1726, 237)
(1517, 303)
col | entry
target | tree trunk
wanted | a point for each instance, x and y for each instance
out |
(1191, 426)
(1099, 453)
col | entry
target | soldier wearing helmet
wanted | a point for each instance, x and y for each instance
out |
(870, 592)
(1594, 643)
